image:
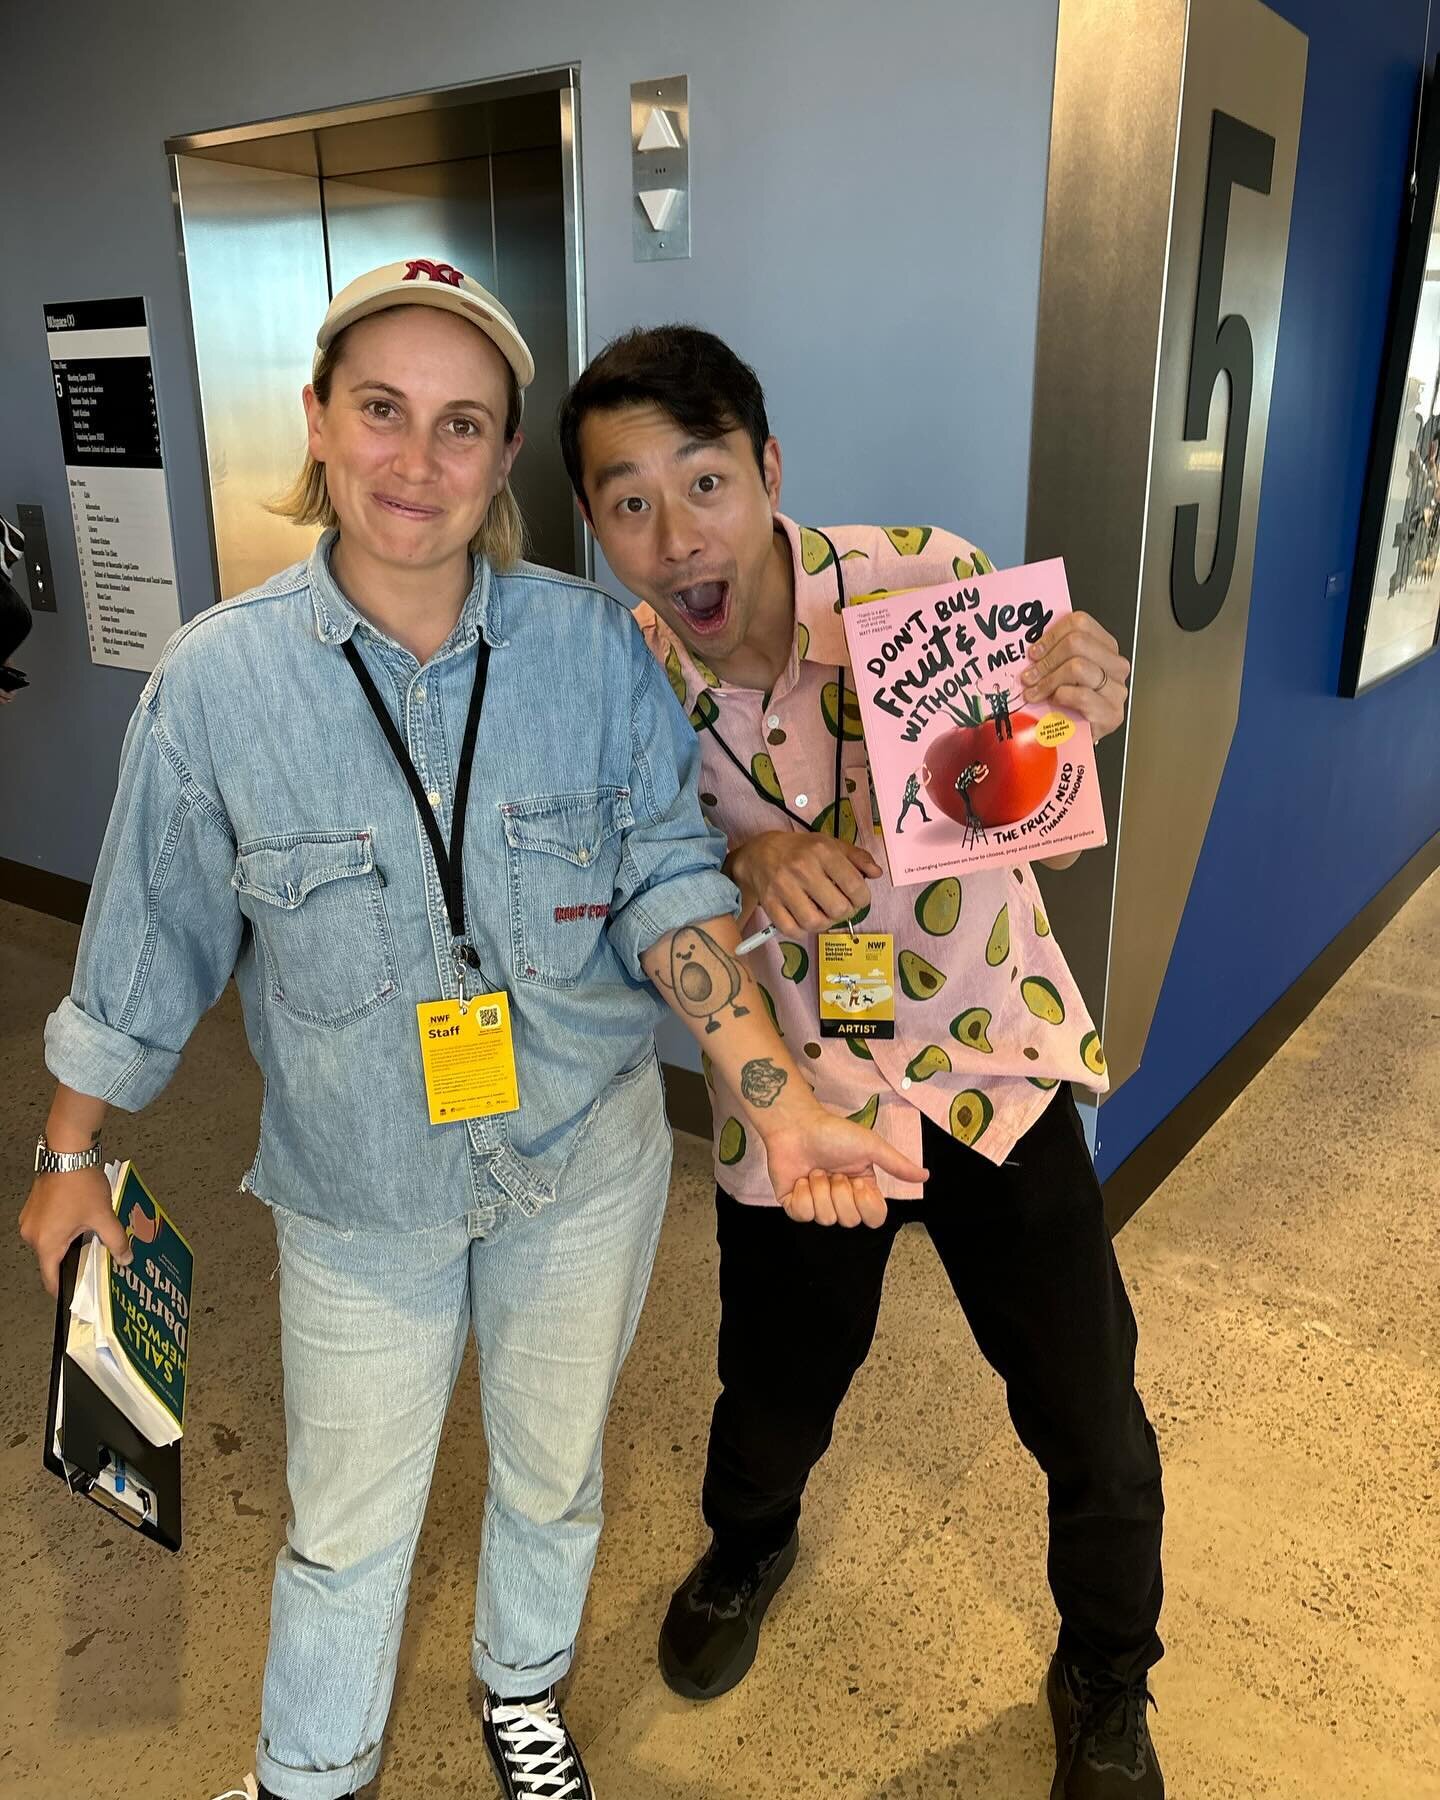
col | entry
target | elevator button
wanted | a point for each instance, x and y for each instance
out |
(659, 132)
(659, 204)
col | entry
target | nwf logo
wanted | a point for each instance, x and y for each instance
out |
(433, 271)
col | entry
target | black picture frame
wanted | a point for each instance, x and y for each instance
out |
(1392, 542)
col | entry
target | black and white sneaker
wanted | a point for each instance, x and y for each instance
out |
(534, 1755)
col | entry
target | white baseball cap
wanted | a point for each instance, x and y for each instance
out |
(421, 282)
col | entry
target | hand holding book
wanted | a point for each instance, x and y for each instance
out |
(1078, 665)
(118, 1375)
(62, 1208)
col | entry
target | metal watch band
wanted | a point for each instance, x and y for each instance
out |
(66, 1162)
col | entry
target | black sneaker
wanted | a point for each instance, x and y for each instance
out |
(534, 1755)
(712, 1630)
(1102, 1737)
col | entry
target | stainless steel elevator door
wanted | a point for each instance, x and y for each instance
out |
(273, 226)
(255, 263)
(530, 279)
(501, 219)
(441, 211)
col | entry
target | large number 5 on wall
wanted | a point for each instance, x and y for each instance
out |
(1240, 156)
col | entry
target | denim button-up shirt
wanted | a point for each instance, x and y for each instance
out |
(262, 826)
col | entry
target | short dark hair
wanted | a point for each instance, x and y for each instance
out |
(689, 373)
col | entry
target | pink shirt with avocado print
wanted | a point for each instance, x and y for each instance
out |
(988, 1019)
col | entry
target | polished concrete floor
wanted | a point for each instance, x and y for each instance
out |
(1285, 1279)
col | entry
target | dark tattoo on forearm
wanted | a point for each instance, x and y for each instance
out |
(761, 1081)
(703, 977)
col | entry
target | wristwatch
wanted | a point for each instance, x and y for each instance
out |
(66, 1162)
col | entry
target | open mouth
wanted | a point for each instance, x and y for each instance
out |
(403, 509)
(705, 605)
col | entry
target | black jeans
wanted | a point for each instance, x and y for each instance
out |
(1029, 1257)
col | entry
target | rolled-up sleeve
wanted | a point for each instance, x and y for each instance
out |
(670, 874)
(162, 930)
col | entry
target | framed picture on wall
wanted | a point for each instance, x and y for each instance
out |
(1395, 590)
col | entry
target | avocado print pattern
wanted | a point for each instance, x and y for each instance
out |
(989, 1023)
(972, 1027)
(970, 1115)
(732, 1142)
(815, 553)
(830, 712)
(909, 540)
(919, 978)
(1042, 999)
(673, 675)
(762, 773)
(849, 830)
(932, 1060)
(938, 908)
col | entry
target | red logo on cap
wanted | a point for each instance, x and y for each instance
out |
(433, 271)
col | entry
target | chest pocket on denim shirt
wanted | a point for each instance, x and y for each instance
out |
(564, 852)
(318, 913)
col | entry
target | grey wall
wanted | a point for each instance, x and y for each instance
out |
(869, 191)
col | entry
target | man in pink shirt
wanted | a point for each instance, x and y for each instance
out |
(669, 449)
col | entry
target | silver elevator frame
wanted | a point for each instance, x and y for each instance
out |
(274, 217)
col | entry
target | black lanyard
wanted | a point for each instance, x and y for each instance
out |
(449, 862)
(770, 799)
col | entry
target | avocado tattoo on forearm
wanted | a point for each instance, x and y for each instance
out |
(703, 977)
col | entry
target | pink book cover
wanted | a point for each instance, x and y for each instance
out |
(966, 774)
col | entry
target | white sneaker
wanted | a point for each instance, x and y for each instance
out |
(247, 1792)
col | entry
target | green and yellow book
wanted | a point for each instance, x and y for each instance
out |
(129, 1327)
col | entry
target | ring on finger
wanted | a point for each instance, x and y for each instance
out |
(1104, 678)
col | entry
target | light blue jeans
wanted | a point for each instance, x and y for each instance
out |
(373, 1328)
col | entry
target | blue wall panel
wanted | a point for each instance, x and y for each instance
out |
(1323, 799)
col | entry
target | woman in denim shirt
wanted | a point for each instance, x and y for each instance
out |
(267, 825)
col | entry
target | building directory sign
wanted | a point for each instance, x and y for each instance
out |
(105, 396)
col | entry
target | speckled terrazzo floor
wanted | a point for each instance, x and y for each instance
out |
(1285, 1280)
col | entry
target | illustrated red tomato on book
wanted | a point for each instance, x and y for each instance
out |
(1010, 772)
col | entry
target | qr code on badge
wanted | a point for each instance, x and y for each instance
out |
(487, 1017)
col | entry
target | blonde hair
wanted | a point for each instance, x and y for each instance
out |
(501, 537)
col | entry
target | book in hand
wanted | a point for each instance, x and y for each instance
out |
(966, 774)
(118, 1378)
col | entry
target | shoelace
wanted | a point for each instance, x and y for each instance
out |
(720, 1592)
(537, 1752)
(1111, 1716)
(241, 1793)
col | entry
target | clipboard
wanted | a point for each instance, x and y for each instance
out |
(94, 1433)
